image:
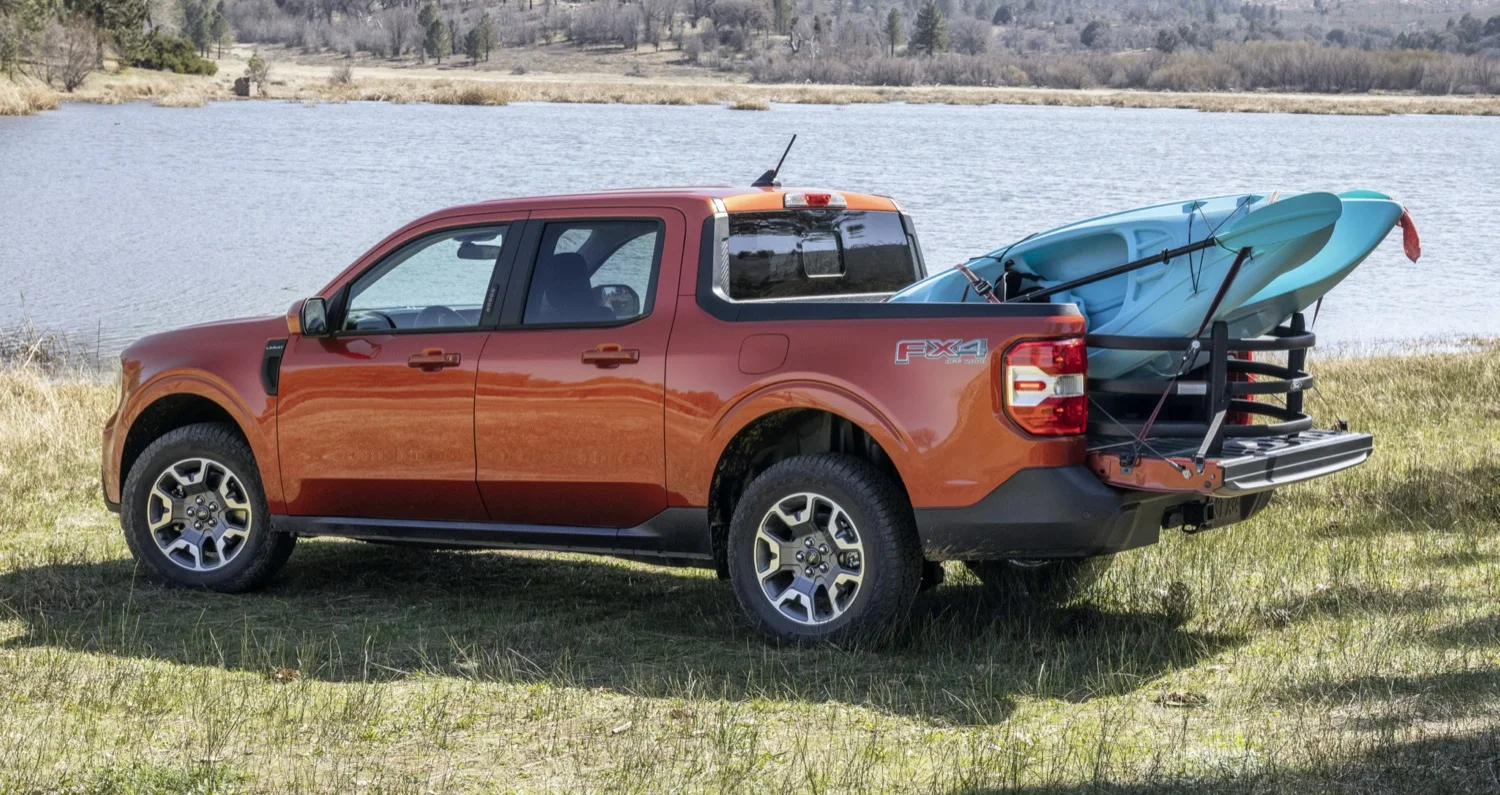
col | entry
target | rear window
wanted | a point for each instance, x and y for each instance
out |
(813, 253)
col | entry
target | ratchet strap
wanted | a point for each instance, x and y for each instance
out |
(979, 285)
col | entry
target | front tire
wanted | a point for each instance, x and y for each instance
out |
(824, 548)
(194, 512)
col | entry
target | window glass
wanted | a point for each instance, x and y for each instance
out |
(438, 281)
(593, 272)
(810, 253)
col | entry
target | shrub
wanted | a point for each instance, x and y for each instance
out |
(1066, 74)
(604, 23)
(171, 54)
(1195, 72)
(960, 70)
(888, 71)
(742, 15)
(258, 70)
(692, 48)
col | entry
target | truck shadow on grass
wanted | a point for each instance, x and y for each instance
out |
(349, 612)
(1419, 499)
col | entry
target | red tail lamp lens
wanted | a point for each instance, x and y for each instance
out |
(1044, 383)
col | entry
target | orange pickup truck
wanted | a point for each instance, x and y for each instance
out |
(689, 376)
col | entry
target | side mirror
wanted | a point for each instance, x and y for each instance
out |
(622, 299)
(313, 317)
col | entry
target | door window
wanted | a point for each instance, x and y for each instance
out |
(437, 282)
(594, 272)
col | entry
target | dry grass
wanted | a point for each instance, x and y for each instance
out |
(440, 93)
(27, 347)
(25, 97)
(492, 88)
(1346, 641)
(161, 88)
(751, 104)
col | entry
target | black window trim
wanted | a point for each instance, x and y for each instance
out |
(499, 275)
(513, 310)
(772, 311)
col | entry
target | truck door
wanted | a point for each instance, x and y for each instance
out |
(377, 420)
(569, 408)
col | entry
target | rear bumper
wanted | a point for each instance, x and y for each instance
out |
(1066, 512)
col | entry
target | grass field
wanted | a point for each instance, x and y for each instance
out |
(1348, 640)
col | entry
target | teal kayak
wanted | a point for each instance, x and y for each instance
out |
(1164, 299)
(1367, 218)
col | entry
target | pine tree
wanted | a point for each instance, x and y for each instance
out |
(488, 39)
(218, 29)
(1093, 34)
(195, 25)
(474, 43)
(426, 16)
(437, 42)
(893, 28)
(929, 33)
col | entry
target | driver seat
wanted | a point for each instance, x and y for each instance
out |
(561, 284)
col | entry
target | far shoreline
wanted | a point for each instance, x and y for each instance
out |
(309, 82)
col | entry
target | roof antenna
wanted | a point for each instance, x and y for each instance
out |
(768, 179)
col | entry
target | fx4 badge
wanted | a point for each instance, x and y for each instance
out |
(951, 351)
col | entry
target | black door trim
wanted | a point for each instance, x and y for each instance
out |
(680, 534)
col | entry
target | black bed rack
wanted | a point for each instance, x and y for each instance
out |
(1200, 400)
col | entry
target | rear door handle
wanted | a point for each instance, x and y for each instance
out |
(430, 360)
(609, 356)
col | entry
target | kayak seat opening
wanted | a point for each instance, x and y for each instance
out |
(1081, 256)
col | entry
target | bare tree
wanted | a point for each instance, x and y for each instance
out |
(698, 9)
(969, 36)
(653, 15)
(400, 25)
(70, 51)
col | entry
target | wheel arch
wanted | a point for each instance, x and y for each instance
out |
(167, 405)
(775, 436)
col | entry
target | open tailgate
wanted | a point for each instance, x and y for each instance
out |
(1244, 466)
(1222, 430)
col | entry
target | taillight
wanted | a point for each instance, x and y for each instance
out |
(1240, 417)
(1043, 384)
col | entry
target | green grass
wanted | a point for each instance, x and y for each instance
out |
(1348, 640)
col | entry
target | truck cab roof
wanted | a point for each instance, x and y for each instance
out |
(734, 199)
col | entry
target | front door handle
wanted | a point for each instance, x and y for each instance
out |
(431, 360)
(609, 356)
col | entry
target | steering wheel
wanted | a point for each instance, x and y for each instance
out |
(373, 314)
(439, 316)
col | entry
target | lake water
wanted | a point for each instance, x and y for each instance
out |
(116, 221)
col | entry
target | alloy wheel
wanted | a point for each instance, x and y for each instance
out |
(809, 558)
(199, 514)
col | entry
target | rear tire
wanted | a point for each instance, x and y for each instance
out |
(1046, 580)
(194, 512)
(824, 548)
